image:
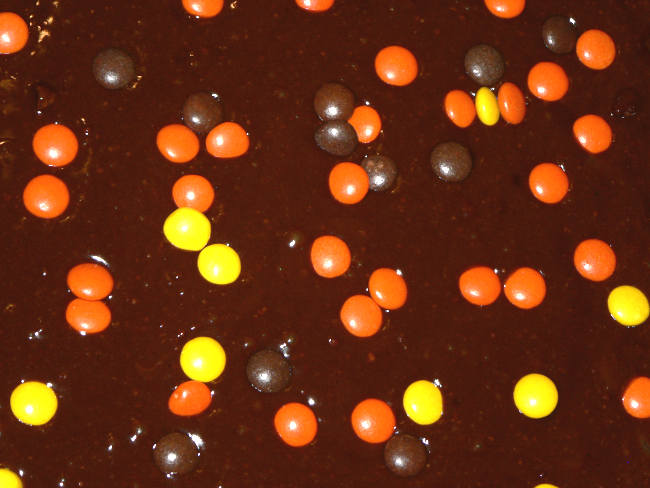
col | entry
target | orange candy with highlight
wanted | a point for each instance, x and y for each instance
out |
(480, 285)
(548, 81)
(366, 123)
(88, 317)
(595, 49)
(348, 183)
(13, 33)
(90, 281)
(330, 256)
(203, 8)
(315, 5)
(193, 191)
(512, 104)
(361, 316)
(548, 182)
(594, 260)
(177, 143)
(189, 398)
(296, 424)
(55, 145)
(373, 421)
(46, 196)
(460, 108)
(505, 9)
(636, 398)
(387, 288)
(227, 140)
(593, 133)
(396, 65)
(525, 288)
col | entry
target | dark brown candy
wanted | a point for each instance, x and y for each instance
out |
(451, 161)
(405, 455)
(627, 103)
(176, 453)
(382, 171)
(559, 34)
(336, 137)
(268, 371)
(202, 112)
(484, 64)
(334, 101)
(113, 68)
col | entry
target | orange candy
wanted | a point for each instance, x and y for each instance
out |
(548, 81)
(396, 65)
(203, 8)
(296, 424)
(177, 143)
(366, 123)
(636, 399)
(460, 108)
(593, 133)
(525, 288)
(189, 398)
(373, 421)
(90, 281)
(13, 33)
(193, 191)
(46, 196)
(348, 183)
(480, 285)
(387, 288)
(55, 145)
(88, 317)
(330, 256)
(595, 49)
(594, 260)
(227, 140)
(315, 5)
(548, 182)
(512, 104)
(506, 9)
(361, 316)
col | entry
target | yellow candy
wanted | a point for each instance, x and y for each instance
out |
(487, 108)
(546, 485)
(9, 479)
(203, 359)
(33, 403)
(423, 402)
(219, 264)
(535, 396)
(187, 229)
(628, 305)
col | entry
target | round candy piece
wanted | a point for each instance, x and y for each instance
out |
(333, 101)
(525, 288)
(189, 398)
(512, 104)
(88, 317)
(193, 191)
(559, 34)
(593, 133)
(227, 140)
(315, 5)
(636, 398)
(484, 64)
(628, 305)
(330, 256)
(187, 229)
(451, 161)
(382, 171)
(361, 316)
(460, 109)
(505, 9)
(90, 281)
(595, 49)
(46, 196)
(296, 424)
(535, 396)
(268, 371)
(113, 68)
(348, 183)
(203, 359)
(176, 453)
(480, 285)
(387, 288)
(219, 264)
(548, 81)
(33, 403)
(545, 485)
(487, 107)
(594, 260)
(55, 145)
(396, 65)
(203, 8)
(422, 402)
(366, 123)
(373, 421)
(548, 182)
(177, 143)
(405, 455)
(13, 33)
(202, 112)
(336, 137)
(9, 479)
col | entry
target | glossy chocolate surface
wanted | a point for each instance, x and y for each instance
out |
(266, 60)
